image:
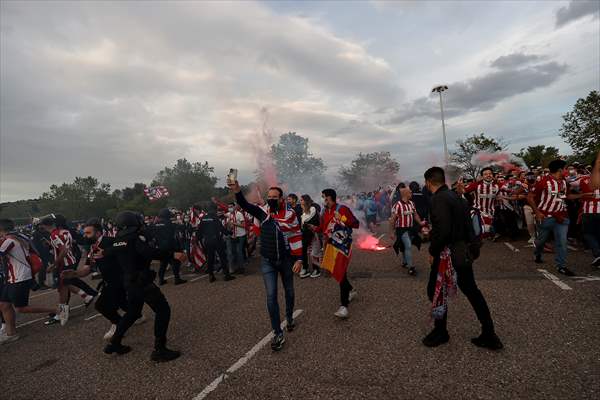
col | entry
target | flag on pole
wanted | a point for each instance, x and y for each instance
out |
(156, 192)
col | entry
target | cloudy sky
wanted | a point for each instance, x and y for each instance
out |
(120, 90)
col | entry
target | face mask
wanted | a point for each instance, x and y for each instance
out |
(273, 204)
(90, 241)
(572, 172)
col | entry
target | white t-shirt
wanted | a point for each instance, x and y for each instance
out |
(18, 269)
(236, 218)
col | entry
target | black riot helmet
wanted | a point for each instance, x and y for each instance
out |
(164, 214)
(128, 221)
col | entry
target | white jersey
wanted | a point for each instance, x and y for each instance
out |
(18, 269)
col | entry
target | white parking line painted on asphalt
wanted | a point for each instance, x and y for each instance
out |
(199, 277)
(92, 317)
(513, 248)
(240, 363)
(554, 279)
(45, 318)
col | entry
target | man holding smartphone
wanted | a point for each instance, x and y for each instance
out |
(281, 251)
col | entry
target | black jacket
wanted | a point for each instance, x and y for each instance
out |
(210, 230)
(166, 235)
(450, 221)
(108, 265)
(134, 255)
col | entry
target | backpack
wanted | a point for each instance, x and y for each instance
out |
(33, 259)
(272, 242)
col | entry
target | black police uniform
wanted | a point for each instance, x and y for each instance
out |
(134, 256)
(112, 291)
(166, 235)
(210, 233)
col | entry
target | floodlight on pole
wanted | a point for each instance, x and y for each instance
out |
(439, 90)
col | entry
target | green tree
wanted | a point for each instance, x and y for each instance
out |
(296, 166)
(369, 171)
(83, 198)
(539, 155)
(581, 127)
(465, 150)
(187, 182)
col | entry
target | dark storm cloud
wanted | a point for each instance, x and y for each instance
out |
(486, 92)
(575, 10)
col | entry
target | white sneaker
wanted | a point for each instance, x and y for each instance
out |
(63, 314)
(531, 241)
(342, 312)
(304, 273)
(353, 295)
(315, 274)
(110, 333)
(140, 320)
(3, 329)
(4, 339)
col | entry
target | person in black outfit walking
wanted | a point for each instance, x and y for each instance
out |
(166, 235)
(452, 229)
(134, 256)
(210, 233)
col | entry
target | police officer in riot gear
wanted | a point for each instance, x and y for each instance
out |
(167, 239)
(134, 256)
(210, 233)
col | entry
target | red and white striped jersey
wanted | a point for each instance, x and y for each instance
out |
(405, 212)
(290, 227)
(551, 194)
(590, 205)
(61, 238)
(17, 266)
(485, 195)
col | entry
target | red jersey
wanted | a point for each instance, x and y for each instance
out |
(61, 238)
(590, 205)
(329, 218)
(485, 195)
(405, 211)
(551, 194)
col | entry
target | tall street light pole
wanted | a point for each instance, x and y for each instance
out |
(439, 90)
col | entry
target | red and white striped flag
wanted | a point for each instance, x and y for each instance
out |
(156, 192)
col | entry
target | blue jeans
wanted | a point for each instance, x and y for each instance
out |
(591, 232)
(548, 225)
(407, 249)
(270, 278)
(239, 244)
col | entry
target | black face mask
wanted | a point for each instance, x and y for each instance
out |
(273, 204)
(89, 240)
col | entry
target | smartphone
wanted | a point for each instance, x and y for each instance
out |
(232, 176)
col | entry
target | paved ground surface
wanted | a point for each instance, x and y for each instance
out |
(552, 345)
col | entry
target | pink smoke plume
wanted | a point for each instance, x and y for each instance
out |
(262, 150)
(502, 159)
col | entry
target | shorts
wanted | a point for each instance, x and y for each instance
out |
(16, 293)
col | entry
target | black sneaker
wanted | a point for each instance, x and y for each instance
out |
(489, 341)
(404, 265)
(89, 302)
(34, 286)
(116, 348)
(211, 278)
(229, 278)
(538, 259)
(436, 338)
(164, 355)
(277, 342)
(180, 281)
(291, 326)
(596, 262)
(412, 271)
(566, 271)
(161, 282)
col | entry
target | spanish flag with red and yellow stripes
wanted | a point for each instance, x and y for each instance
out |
(337, 252)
